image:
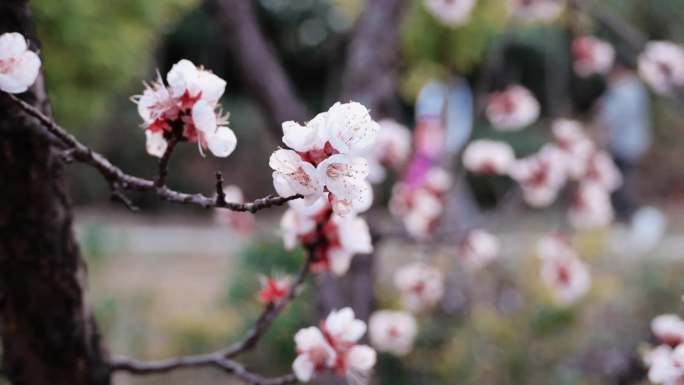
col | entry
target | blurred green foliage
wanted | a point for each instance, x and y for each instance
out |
(270, 258)
(94, 50)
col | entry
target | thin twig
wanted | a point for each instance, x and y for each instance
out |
(164, 163)
(222, 357)
(116, 177)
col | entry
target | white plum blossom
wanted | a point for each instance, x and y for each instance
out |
(488, 157)
(350, 127)
(420, 286)
(345, 178)
(353, 237)
(420, 208)
(567, 277)
(299, 221)
(392, 149)
(314, 354)
(324, 158)
(334, 348)
(661, 65)
(666, 365)
(536, 10)
(19, 66)
(512, 109)
(392, 331)
(602, 171)
(188, 82)
(293, 175)
(343, 327)
(591, 207)
(575, 145)
(541, 176)
(186, 110)
(450, 12)
(155, 144)
(478, 249)
(592, 56)
(668, 329)
(311, 136)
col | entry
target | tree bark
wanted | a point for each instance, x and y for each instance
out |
(370, 77)
(48, 332)
(263, 74)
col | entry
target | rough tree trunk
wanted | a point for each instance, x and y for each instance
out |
(48, 333)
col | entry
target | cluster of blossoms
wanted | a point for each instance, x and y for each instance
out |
(450, 12)
(666, 361)
(19, 66)
(185, 110)
(661, 65)
(512, 109)
(541, 176)
(333, 239)
(420, 205)
(323, 160)
(562, 271)
(333, 347)
(592, 56)
(420, 286)
(536, 10)
(323, 165)
(478, 249)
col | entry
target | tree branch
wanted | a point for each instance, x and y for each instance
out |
(263, 75)
(119, 180)
(222, 358)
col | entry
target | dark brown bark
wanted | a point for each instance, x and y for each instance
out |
(48, 333)
(263, 75)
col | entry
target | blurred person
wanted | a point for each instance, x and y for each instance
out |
(624, 120)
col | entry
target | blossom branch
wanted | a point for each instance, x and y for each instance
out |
(119, 180)
(222, 358)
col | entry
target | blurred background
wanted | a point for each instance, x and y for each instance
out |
(176, 280)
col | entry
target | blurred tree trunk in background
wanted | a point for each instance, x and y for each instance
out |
(48, 332)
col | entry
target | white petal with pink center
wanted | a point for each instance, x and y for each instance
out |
(360, 359)
(592, 56)
(350, 127)
(291, 172)
(575, 145)
(666, 366)
(661, 65)
(344, 176)
(421, 286)
(156, 103)
(343, 327)
(668, 329)
(392, 331)
(155, 143)
(353, 233)
(602, 171)
(541, 176)
(184, 77)
(311, 136)
(314, 353)
(512, 109)
(19, 66)
(567, 277)
(490, 157)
